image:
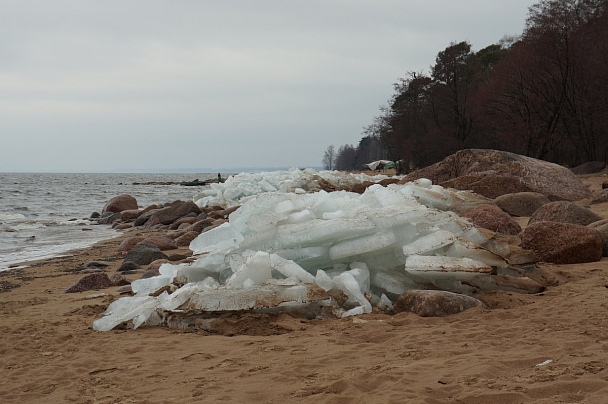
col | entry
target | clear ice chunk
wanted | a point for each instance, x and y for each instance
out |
(351, 288)
(256, 270)
(430, 242)
(445, 264)
(289, 268)
(323, 280)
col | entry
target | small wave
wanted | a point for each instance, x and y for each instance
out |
(74, 221)
(11, 216)
(23, 208)
(27, 226)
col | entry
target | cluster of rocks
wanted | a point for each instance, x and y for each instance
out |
(160, 230)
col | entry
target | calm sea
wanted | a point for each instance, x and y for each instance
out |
(43, 215)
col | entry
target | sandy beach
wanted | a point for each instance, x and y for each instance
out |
(550, 347)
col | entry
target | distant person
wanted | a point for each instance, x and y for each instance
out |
(219, 178)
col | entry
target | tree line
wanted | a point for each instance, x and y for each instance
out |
(543, 94)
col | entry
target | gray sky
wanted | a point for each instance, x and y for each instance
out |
(146, 84)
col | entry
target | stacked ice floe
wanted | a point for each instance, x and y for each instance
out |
(235, 188)
(288, 251)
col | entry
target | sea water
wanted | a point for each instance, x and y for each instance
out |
(46, 214)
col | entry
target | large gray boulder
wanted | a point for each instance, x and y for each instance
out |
(143, 254)
(493, 173)
(563, 243)
(434, 303)
(521, 203)
(564, 212)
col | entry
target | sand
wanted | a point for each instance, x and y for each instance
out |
(546, 348)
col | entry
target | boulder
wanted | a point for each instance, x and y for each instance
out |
(184, 241)
(109, 218)
(590, 167)
(491, 217)
(97, 264)
(434, 303)
(493, 173)
(180, 256)
(144, 217)
(200, 225)
(143, 254)
(521, 203)
(130, 214)
(216, 214)
(564, 212)
(169, 214)
(387, 181)
(90, 282)
(188, 220)
(563, 243)
(150, 273)
(360, 187)
(602, 227)
(152, 222)
(155, 265)
(175, 234)
(129, 243)
(120, 203)
(600, 196)
(161, 241)
(128, 266)
(472, 201)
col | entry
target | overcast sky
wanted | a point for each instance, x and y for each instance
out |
(143, 84)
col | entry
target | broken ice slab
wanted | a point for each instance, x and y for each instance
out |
(305, 254)
(360, 272)
(289, 269)
(509, 283)
(323, 280)
(320, 231)
(255, 268)
(433, 197)
(223, 238)
(347, 283)
(465, 248)
(394, 283)
(127, 308)
(415, 263)
(508, 248)
(393, 216)
(429, 243)
(257, 297)
(361, 245)
(149, 285)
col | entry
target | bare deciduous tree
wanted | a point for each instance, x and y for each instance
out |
(329, 158)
